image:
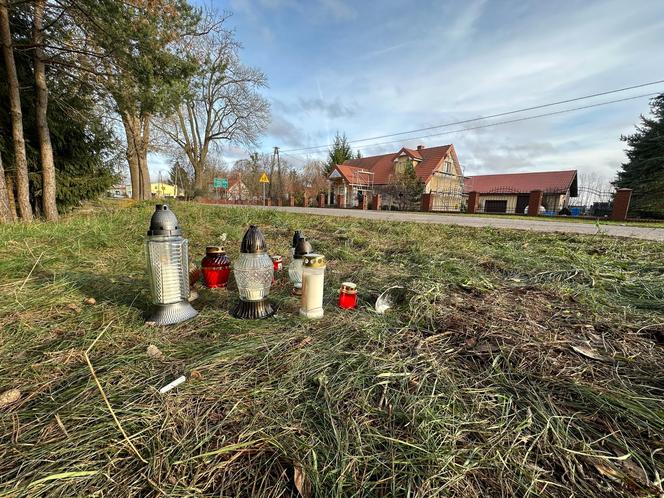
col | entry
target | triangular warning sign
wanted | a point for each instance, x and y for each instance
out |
(264, 178)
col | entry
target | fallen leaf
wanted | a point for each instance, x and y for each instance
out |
(305, 342)
(301, 482)
(588, 352)
(635, 471)
(486, 347)
(9, 397)
(74, 307)
(154, 352)
(607, 469)
(90, 301)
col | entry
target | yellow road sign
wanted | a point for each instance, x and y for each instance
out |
(264, 178)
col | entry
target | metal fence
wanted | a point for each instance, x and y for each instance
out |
(589, 201)
(451, 200)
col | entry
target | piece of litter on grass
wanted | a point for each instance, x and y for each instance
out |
(588, 352)
(391, 297)
(90, 301)
(154, 352)
(9, 397)
(172, 385)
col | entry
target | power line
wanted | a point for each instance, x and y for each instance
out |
(517, 120)
(490, 116)
(527, 118)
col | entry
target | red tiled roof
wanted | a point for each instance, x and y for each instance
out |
(348, 172)
(412, 153)
(383, 166)
(558, 182)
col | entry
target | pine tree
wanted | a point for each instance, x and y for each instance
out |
(644, 171)
(339, 153)
(84, 150)
(413, 186)
(182, 179)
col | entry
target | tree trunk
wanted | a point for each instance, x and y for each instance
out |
(43, 133)
(9, 180)
(5, 211)
(20, 159)
(198, 178)
(137, 132)
(144, 141)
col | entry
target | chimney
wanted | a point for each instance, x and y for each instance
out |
(420, 147)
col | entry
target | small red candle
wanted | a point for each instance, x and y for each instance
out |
(278, 262)
(348, 296)
(216, 267)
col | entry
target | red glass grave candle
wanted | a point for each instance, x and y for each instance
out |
(278, 262)
(348, 296)
(216, 267)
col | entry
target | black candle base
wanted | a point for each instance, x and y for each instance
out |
(253, 310)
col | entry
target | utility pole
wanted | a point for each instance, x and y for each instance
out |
(280, 190)
(177, 167)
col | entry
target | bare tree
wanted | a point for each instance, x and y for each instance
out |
(224, 106)
(20, 158)
(41, 107)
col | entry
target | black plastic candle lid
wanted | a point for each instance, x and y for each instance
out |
(164, 222)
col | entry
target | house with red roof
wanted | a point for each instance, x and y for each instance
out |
(437, 167)
(237, 190)
(509, 192)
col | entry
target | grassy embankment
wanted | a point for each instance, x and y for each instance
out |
(524, 364)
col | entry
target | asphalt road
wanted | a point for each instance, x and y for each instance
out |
(614, 230)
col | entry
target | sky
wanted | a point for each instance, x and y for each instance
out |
(371, 68)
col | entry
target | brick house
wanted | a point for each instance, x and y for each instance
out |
(237, 190)
(509, 192)
(437, 167)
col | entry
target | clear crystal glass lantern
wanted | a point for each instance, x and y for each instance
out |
(295, 268)
(168, 269)
(253, 272)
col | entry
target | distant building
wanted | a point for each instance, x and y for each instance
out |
(509, 192)
(161, 189)
(437, 167)
(237, 190)
(119, 191)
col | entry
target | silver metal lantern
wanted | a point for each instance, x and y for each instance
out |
(168, 269)
(253, 272)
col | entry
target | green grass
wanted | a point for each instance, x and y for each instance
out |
(522, 364)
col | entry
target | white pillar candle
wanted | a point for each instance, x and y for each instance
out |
(313, 280)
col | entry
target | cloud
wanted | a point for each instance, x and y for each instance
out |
(319, 106)
(285, 132)
(334, 109)
(373, 71)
